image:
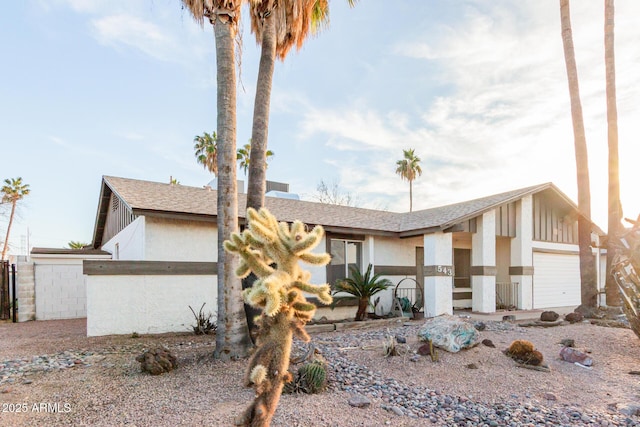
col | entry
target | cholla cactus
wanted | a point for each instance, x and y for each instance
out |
(272, 251)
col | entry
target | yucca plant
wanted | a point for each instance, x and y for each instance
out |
(362, 287)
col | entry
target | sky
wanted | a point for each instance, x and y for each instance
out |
(477, 87)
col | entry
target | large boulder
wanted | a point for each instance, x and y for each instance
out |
(449, 333)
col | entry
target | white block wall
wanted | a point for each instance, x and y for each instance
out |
(60, 291)
(147, 304)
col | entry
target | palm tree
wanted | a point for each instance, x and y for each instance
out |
(206, 148)
(244, 157)
(409, 168)
(232, 337)
(12, 191)
(362, 287)
(615, 207)
(278, 26)
(76, 245)
(589, 295)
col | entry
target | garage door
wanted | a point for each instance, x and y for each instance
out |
(556, 280)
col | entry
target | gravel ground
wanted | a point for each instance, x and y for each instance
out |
(52, 374)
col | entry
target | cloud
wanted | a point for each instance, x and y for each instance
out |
(127, 30)
(59, 141)
(505, 122)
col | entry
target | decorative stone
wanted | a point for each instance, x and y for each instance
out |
(488, 343)
(572, 355)
(449, 333)
(359, 401)
(549, 316)
(631, 409)
(424, 350)
(481, 326)
(568, 342)
(574, 317)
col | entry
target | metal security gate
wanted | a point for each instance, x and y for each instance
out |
(4, 290)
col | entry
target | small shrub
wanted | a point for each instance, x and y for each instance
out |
(204, 325)
(522, 351)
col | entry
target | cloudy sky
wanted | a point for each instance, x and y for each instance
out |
(477, 88)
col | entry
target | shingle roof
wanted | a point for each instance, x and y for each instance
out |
(65, 251)
(154, 198)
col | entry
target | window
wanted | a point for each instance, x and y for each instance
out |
(345, 254)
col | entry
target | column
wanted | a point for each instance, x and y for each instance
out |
(438, 274)
(521, 269)
(483, 264)
(26, 290)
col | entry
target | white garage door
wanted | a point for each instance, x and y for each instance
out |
(556, 280)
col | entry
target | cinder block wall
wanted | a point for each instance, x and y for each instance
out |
(60, 291)
(26, 292)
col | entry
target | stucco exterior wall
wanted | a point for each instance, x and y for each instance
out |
(393, 252)
(147, 304)
(177, 240)
(128, 244)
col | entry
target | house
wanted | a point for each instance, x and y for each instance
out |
(517, 248)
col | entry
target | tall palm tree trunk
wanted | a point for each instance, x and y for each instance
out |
(256, 187)
(259, 134)
(232, 339)
(6, 240)
(589, 293)
(615, 207)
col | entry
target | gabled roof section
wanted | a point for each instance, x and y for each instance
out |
(444, 217)
(180, 201)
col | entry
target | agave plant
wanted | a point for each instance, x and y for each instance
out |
(362, 287)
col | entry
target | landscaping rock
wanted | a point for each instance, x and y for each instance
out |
(424, 350)
(359, 401)
(572, 355)
(449, 333)
(549, 316)
(481, 326)
(157, 361)
(574, 317)
(568, 342)
(488, 343)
